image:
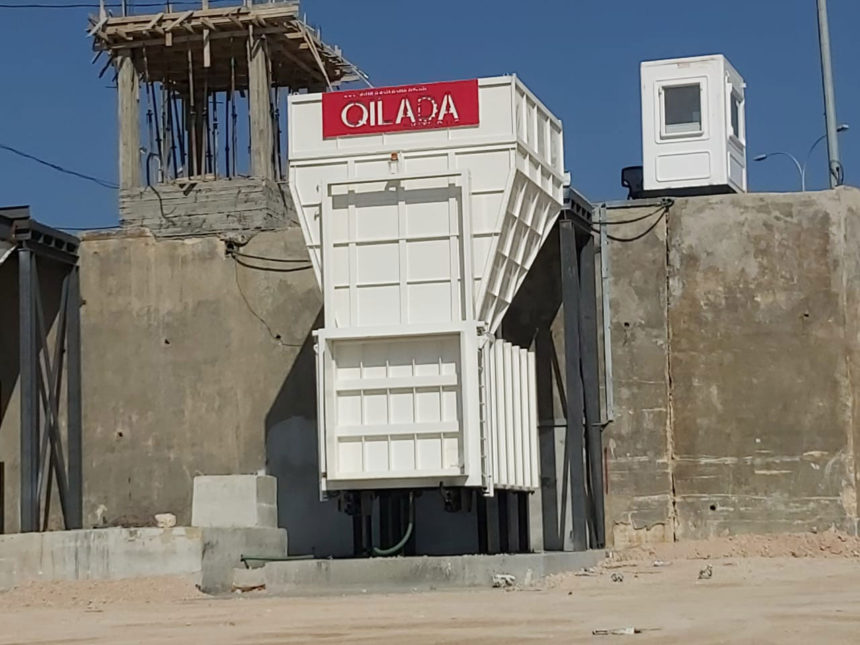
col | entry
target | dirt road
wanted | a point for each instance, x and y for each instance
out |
(746, 600)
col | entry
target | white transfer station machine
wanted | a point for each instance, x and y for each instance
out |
(423, 208)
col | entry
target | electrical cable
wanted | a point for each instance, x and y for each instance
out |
(272, 269)
(395, 549)
(248, 256)
(252, 311)
(632, 220)
(101, 182)
(640, 235)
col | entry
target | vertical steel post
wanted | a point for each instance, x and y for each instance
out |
(74, 519)
(481, 515)
(29, 365)
(523, 538)
(591, 386)
(606, 315)
(575, 439)
(504, 521)
(358, 535)
(834, 164)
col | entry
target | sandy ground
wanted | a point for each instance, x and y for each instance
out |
(808, 590)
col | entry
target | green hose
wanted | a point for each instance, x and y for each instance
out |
(245, 559)
(408, 534)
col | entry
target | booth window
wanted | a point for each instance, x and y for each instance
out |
(736, 116)
(682, 109)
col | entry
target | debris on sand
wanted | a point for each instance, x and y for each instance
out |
(621, 631)
(503, 580)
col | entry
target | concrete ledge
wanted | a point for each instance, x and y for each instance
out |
(301, 577)
(210, 554)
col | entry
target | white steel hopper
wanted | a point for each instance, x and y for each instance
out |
(511, 154)
(423, 208)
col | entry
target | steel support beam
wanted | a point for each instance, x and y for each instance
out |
(29, 392)
(523, 536)
(504, 521)
(590, 378)
(42, 458)
(74, 415)
(575, 439)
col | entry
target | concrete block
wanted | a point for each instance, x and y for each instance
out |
(235, 501)
(418, 573)
(223, 549)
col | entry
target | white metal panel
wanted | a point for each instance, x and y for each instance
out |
(513, 420)
(500, 438)
(501, 121)
(396, 251)
(711, 154)
(534, 453)
(394, 409)
(404, 411)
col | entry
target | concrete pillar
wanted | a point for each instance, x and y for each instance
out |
(128, 112)
(259, 85)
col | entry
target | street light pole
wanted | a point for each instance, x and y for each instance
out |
(801, 170)
(842, 128)
(835, 166)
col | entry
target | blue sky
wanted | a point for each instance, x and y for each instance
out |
(580, 56)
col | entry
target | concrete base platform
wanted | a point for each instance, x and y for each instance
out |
(208, 554)
(308, 577)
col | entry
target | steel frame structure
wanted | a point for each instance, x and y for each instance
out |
(42, 365)
(582, 375)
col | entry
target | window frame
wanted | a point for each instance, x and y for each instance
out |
(663, 128)
(739, 137)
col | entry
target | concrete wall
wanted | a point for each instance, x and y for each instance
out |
(735, 347)
(196, 364)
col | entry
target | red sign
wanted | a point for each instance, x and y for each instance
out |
(395, 109)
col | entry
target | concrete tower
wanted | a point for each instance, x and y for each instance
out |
(201, 111)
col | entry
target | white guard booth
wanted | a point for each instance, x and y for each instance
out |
(423, 208)
(693, 125)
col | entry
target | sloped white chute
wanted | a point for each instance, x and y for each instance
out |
(514, 162)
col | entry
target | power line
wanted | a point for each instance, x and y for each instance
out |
(53, 166)
(115, 227)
